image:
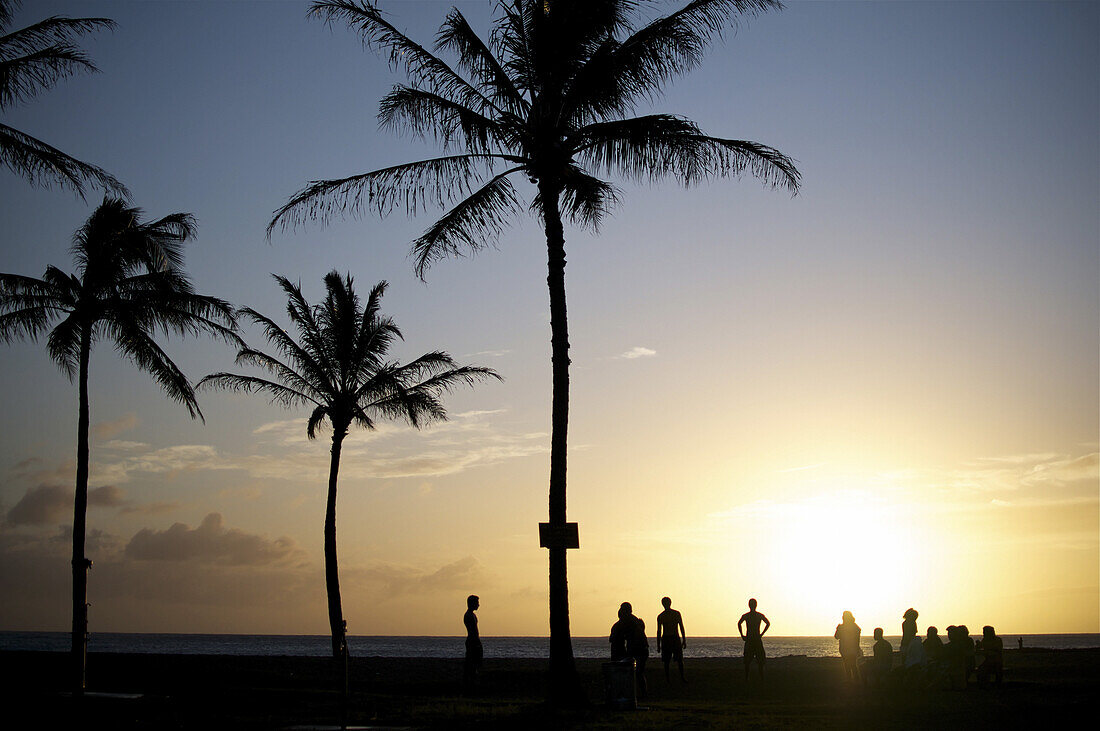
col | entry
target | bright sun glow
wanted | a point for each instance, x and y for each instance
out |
(846, 553)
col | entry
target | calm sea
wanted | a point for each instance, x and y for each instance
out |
(521, 647)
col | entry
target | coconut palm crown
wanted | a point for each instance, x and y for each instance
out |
(129, 286)
(550, 97)
(32, 60)
(337, 367)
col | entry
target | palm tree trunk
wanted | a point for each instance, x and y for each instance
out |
(80, 514)
(332, 577)
(564, 685)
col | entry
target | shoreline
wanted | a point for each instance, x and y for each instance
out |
(215, 691)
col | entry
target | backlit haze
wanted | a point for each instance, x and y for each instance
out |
(881, 393)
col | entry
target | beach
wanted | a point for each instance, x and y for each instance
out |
(211, 691)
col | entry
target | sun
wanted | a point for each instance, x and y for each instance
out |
(846, 553)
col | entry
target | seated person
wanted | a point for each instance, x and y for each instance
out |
(954, 659)
(883, 660)
(992, 656)
(933, 645)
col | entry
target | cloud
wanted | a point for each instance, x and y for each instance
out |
(107, 496)
(150, 508)
(488, 353)
(111, 429)
(41, 505)
(1013, 472)
(211, 542)
(462, 574)
(637, 352)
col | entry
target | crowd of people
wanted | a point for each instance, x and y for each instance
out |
(926, 663)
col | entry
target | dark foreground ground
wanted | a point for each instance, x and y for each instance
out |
(1043, 689)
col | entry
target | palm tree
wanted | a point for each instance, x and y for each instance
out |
(129, 284)
(32, 60)
(549, 97)
(337, 367)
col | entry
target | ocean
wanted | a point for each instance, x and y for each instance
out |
(503, 647)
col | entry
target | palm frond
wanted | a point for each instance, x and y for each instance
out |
(585, 199)
(133, 342)
(56, 30)
(422, 66)
(470, 226)
(457, 35)
(619, 74)
(655, 146)
(416, 184)
(307, 365)
(280, 394)
(45, 166)
(316, 418)
(63, 345)
(282, 371)
(24, 77)
(424, 113)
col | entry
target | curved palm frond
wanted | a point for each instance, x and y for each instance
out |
(585, 198)
(44, 166)
(469, 226)
(32, 59)
(309, 368)
(280, 394)
(476, 58)
(134, 342)
(655, 146)
(425, 113)
(622, 73)
(421, 65)
(432, 181)
(23, 78)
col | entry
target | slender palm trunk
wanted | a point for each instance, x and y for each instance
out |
(332, 576)
(80, 514)
(564, 685)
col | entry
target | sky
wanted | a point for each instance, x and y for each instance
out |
(878, 394)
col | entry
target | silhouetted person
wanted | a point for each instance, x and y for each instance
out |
(914, 664)
(908, 627)
(933, 645)
(969, 651)
(992, 656)
(882, 661)
(1020, 642)
(954, 659)
(474, 653)
(628, 640)
(671, 637)
(848, 633)
(749, 628)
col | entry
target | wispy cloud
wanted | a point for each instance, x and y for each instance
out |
(637, 351)
(489, 353)
(111, 429)
(396, 580)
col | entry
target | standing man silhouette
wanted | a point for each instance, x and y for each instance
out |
(671, 638)
(754, 639)
(472, 664)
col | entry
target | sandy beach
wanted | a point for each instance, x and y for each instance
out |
(206, 691)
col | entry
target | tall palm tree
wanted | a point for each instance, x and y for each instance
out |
(129, 284)
(32, 60)
(550, 97)
(337, 367)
